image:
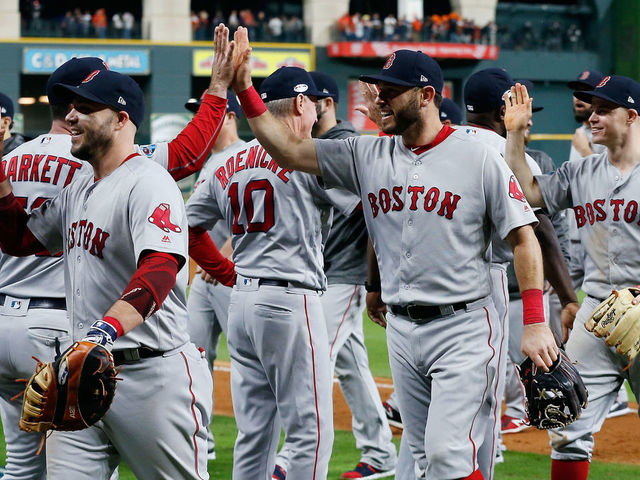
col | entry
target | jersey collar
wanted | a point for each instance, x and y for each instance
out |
(442, 135)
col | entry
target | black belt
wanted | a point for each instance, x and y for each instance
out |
(130, 355)
(48, 303)
(423, 312)
(273, 283)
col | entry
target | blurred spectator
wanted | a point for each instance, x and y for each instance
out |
(275, 28)
(218, 19)
(203, 25)
(99, 22)
(262, 29)
(36, 15)
(246, 19)
(68, 25)
(403, 30)
(416, 29)
(128, 22)
(389, 28)
(85, 23)
(358, 27)
(376, 27)
(553, 36)
(118, 25)
(345, 26)
(234, 21)
(574, 38)
(294, 29)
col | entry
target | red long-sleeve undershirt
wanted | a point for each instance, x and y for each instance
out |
(15, 237)
(206, 254)
(191, 148)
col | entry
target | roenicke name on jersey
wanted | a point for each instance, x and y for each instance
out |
(41, 168)
(83, 234)
(433, 198)
(257, 157)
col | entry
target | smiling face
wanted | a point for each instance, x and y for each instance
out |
(399, 107)
(609, 122)
(91, 128)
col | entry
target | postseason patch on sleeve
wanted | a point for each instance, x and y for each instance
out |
(148, 149)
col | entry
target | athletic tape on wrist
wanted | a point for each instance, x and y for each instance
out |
(532, 307)
(251, 103)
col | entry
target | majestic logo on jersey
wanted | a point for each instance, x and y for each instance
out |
(83, 234)
(256, 158)
(514, 190)
(598, 211)
(604, 81)
(161, 219)
(443, 203)
(91, 76)
(389, 62)
(148, 149)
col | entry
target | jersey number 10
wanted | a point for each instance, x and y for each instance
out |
(249, 207)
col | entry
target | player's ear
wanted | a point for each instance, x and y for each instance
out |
(632, 115)
(500, 113)
(298, 105)
(121, 119)
(428, 94)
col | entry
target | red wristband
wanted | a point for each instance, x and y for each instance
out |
(115, 323)
(532, 307)
(251, 102)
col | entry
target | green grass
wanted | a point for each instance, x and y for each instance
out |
(517, 466)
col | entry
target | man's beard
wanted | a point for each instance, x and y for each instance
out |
(405, 117)
(94, 143)
(582, 116)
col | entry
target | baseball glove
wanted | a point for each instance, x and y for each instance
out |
(556, 398)
(617, 320)
(72, 393)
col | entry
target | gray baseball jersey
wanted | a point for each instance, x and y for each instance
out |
(596, 148)
(500, 248)
(103, 228)
(258, 199)
(417, 213)
(38, 170)
(606, 213)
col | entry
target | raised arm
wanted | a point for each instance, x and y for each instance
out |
(283, 145)
(191, 148)
(516, 118)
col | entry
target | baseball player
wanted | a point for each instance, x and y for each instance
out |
(36, 283)
(277, 336)
(582, 144)
(600, 188)
(415, 214)
(11, 140)
(342, 303)
(483, 100)
(123, 234)
(208, 301)
(450, 112)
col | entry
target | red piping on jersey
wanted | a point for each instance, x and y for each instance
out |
(315, 387)
(189, 150)
(484, 394)
(442, 135)
(97, 179)
(193, 411)
(344, 315)
(505, 297)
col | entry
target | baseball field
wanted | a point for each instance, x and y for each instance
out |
(616, 455)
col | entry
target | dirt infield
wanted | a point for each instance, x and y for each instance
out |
(618, 442)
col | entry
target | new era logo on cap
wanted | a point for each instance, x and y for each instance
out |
(3, 110)
(122, 101)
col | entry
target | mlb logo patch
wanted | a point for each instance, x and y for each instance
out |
(148, 149)
(15, 304)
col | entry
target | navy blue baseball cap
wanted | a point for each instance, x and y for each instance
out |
(484, 90)
(72, 72)
(288, 82)
(233, 105)
(449, 110)
(409, 68)
(622, 91)
(587, 80)
(109, 88)
(6, 106)
(326, 84)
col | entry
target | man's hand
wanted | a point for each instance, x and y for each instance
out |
(206, 277)
(567, 316)
(518, 108)
(581, 143)
(539, 345)
(370, 109)
(241, 60)
(376, 308)
(222, 70)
